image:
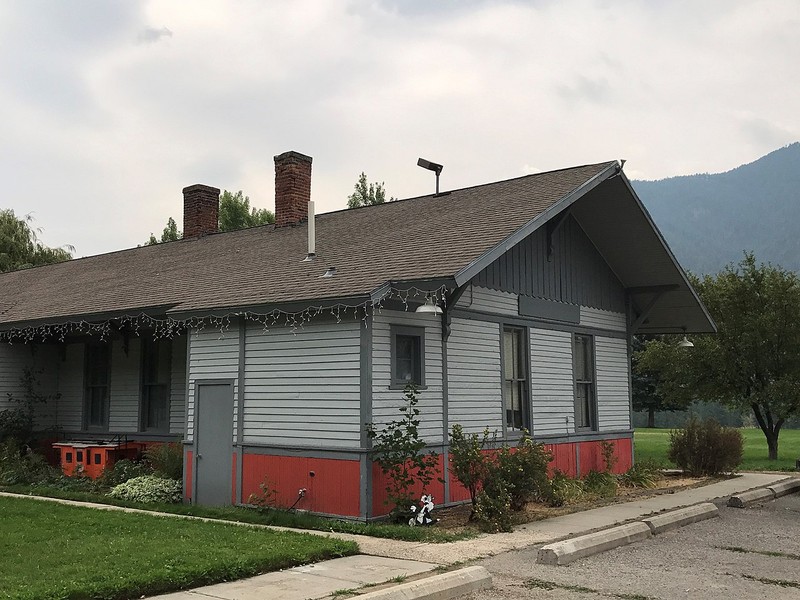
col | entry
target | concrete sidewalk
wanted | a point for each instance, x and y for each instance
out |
(389, 561)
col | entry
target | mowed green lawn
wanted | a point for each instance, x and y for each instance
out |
(654, 443)
(50, 551)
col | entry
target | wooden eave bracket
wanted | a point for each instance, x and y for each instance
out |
(553, 225)
(658, 291)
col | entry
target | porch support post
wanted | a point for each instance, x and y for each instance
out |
(365, 416)
(240, 409)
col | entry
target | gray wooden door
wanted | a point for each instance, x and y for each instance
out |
(214, 443)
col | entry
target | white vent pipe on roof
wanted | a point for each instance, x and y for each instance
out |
(312, 233)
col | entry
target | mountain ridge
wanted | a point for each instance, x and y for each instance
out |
(710, 220)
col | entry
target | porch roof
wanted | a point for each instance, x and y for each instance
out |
(447, 238)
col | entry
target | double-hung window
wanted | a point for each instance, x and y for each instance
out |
(515, 379)
(96, 396)
(408, 356)
(585, 398)
(156, 363)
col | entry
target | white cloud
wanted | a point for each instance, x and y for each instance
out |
(103, 126)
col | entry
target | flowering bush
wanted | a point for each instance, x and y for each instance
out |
(149, 489)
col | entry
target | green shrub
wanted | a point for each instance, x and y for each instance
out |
(468, 461)
(601, 484)
(21, 465)
(122, 471)
(493, 506)
(705, 447)
(565, 489)
(643, 474)
(149, 489)
(524, 471)
(166, 459)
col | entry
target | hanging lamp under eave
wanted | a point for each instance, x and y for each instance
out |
(685, 343)
(429, 307)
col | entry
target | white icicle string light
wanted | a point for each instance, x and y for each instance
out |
(170, 327)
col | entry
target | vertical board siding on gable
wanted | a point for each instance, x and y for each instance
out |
(302, 387)
(124, 382)
(603, 319)
(212, 355)
(177, 389)
(385, 402)
(613, 401)
(70, 385)
(575, 273)
(473, 376)
(552, 386)
(487, 300)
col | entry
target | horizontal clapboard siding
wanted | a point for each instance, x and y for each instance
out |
(473, 376)
(552, 390)
(124, 383)
(603, 319)
(385, 401)
(14, 359)
(613, 401)
(302, 387)
(70, 385)
(177, 389)
(212, 355)
(492, 301)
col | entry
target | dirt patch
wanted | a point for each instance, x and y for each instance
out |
(456, 518)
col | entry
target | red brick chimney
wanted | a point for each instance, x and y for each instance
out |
(200, 210)
(292, 188)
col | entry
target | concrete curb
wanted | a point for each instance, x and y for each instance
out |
(747, 498)
(782, 488)
(438, 587)
(678, 518)
(563, 553)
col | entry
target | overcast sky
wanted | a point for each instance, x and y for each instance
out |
(109, 109)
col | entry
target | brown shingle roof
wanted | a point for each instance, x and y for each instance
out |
(420, 238)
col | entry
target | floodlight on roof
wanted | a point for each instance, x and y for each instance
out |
(431, 166)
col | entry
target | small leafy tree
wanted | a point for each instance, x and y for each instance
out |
(400, 452)
(365, 194)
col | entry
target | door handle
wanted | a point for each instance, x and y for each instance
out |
(199, 456)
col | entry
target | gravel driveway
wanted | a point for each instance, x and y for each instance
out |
(720, 559)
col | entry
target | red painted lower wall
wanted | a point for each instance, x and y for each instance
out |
(187, 474)
(332, 485)
(379, 494)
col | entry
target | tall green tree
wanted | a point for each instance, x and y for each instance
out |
(365, 194)
(646, 395)
(235, 213)
(753, 362)
(20, 247)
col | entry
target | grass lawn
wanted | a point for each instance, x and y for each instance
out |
(242, 514)
(654, 443)
(56, 552)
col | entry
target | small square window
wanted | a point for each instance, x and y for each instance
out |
(97, 459)
(69, 457)
(79, 456)
(408, 356)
